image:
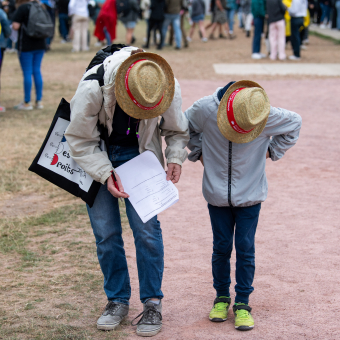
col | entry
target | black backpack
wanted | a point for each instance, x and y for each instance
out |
(99, 58)
(122, 7)
(39, 25)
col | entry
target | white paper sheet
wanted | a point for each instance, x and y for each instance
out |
(144, 179)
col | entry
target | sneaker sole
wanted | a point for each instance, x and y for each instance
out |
(244, 328)
(217, 319)
(145, 333)
(110, 327)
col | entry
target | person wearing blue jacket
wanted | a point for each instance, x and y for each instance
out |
(5, 33)
(233, 132)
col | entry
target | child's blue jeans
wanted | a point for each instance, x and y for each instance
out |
(225, 222)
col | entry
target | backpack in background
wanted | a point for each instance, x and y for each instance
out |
(123, 7)
(40, 25)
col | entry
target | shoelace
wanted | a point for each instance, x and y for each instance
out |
(111, 307)
(242, 313)
(148, 316)
(220, 306)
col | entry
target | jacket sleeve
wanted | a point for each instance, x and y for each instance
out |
(174, 127)
(284, 128)
(196, 117)
(6, 28)
(82, 133)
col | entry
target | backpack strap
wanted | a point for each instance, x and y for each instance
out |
(99, 75)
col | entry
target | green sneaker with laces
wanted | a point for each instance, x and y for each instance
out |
(243, 319)
(219, 312)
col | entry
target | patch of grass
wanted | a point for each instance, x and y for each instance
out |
(14, 233)
(326, 37)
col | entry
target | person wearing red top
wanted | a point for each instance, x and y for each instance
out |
(106, 22)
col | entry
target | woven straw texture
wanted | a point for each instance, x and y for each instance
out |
(251, 110)
(148, 82)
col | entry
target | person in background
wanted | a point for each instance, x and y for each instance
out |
(62, 7)
(31, 52)
(5, 33)
(197, 17)
(247, 16)
(258, 10)
(219, 20)
(129, 20)
(326, 7)
(155, 22)
(9, 8)
(80, 24)
(277, 37)
(106, 22)
(230, 13)
(172, 16)
(297, 11)
(337, 5)
(50, 8)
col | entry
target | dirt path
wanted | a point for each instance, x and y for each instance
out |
(297, 293)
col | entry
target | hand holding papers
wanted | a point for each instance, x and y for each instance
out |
(144, 180)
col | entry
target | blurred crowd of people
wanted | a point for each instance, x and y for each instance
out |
(276, 21)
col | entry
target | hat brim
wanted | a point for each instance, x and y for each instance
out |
(125, 102)
(222, 118)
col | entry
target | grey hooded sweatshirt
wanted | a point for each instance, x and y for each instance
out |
(234, 174)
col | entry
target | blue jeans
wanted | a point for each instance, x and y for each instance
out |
(30, 64)
(175, 20)
(223, 222)
(105, 220)
(258, 29)
(337, 5)
(63, 25)
(230, 13)
(295, 24)
(326, 12)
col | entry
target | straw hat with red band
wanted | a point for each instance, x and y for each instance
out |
(145, 85)
(243, 111)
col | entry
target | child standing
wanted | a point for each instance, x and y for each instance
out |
(232, 132)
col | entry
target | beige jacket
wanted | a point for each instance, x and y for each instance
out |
(92, 103)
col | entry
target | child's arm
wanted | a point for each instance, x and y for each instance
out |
(196, 116)
(284, 127)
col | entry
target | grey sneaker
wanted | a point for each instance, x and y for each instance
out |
(151, 321)
(112, 316)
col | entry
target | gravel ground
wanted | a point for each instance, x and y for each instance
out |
(297, 292)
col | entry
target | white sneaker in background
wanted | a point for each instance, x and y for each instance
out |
(303, 47)
(189, 39)
(263, 55)
(23, 106)
(293, 57)
(323, 26)
(204, 39)
(39, 105)
(256, 56)
(62, 41)
(98, 44)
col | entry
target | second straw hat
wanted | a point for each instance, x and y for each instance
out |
(145, 85)
(243, 111)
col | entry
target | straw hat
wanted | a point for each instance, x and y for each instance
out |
(145, 85)
(243, 112)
